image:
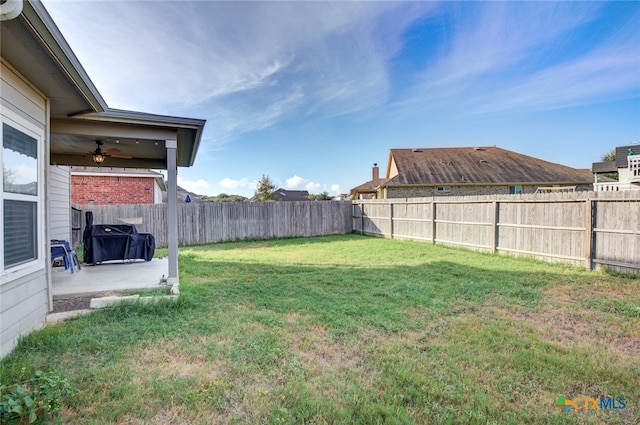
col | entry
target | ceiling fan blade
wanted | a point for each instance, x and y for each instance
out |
(117, 155)
(111, 151)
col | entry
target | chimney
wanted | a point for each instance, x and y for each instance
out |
(375, 172)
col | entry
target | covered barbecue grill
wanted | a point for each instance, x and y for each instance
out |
(107, 242)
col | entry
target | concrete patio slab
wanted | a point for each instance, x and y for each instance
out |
(110, 276)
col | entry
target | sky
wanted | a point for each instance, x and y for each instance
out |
(312, 94)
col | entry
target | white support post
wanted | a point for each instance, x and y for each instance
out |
(172, 211)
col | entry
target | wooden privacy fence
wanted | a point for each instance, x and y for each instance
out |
(589, 228)
(209, 222)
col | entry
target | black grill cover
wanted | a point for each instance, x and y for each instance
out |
(105, 242)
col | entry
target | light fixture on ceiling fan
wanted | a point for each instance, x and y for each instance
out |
(99, 155)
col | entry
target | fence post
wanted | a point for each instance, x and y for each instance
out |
(433, 221)
(391, 219)
(362, 218)
(494, 226)
(589, 233)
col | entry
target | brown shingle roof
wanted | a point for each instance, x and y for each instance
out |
(369, 186)
(479, 165)
(292, 195)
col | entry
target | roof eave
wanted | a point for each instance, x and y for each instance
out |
(42, 25)
(188, 130)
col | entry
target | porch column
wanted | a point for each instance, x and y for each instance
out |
(172, 213)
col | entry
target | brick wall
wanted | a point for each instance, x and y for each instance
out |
(106, 190)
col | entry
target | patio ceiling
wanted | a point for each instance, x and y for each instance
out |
(138, 137)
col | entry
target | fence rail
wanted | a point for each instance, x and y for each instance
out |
(210, 222)
(588, 228)
(585, 228)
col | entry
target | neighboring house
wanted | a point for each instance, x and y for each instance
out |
(292, 195)
(369, 189)
(287, 195)
(184, 196)
(109, 185)
(626, 164)
(422, 172)
(342, 197)
(51, 116)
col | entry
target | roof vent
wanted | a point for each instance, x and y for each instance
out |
(478, 149)
(416, 150)
(482, 161)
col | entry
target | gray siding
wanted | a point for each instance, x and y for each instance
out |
(23, 305)
(24, 301)
(59, 203)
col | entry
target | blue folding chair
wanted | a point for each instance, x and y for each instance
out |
(61, 248)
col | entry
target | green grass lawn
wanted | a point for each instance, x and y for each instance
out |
(352, 330)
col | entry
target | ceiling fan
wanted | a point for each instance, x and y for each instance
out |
(99, 155)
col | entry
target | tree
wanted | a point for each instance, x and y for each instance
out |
(223, 197)
(609, 156)
(265, 190)
(324, 196)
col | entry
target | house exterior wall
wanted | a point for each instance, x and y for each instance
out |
(157, 193)
(112, 190)
(24, 291)
(59, 203)
(425, 191)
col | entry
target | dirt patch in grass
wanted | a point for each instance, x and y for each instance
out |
(317, 349)
(71, 304)
(171, 359)
(577, 328)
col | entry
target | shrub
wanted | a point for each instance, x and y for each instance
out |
(32, 399)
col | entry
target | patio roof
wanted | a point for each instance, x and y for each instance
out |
(138, 137)
(34, 47)
(79, 114)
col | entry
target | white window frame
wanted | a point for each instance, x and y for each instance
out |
(15, 272)
(443, 189)
(515, 189)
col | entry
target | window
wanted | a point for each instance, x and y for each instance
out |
(444, 189)
(21, 195)
(515, 190)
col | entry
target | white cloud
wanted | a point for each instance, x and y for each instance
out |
(249, 64)
(314, 187)
(229, 183)
(295, 182)
(508, 56)
(298, 183)
(195, 186)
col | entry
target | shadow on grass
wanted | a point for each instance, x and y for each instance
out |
(333, 296)
(437, 372)
(252, 244)
(376, 296)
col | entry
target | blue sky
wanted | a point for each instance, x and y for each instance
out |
(313, 93)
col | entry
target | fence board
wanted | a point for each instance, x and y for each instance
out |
(581, 228)
(209, 222)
